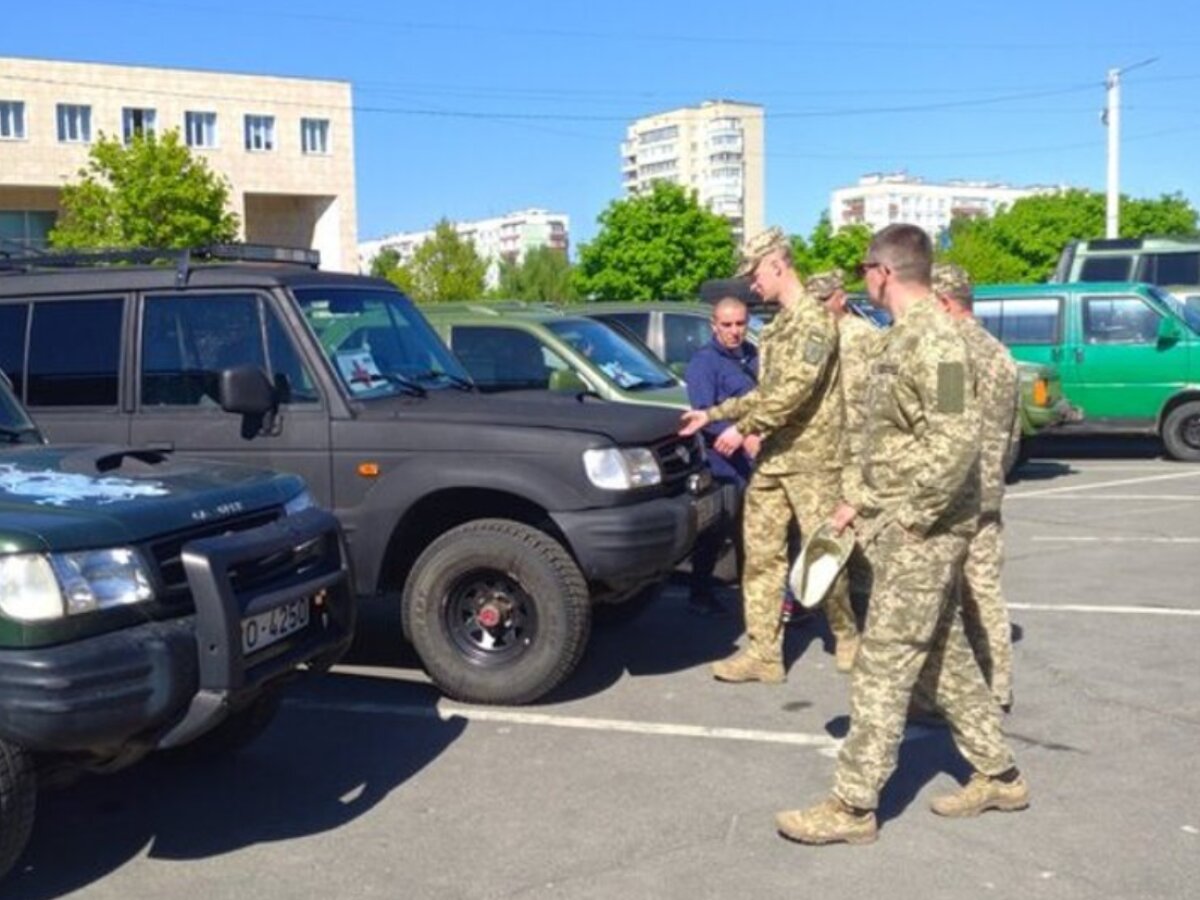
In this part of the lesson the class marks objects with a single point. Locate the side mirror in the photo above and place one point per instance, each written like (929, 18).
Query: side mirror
(1168, 331)
(567, 381)
(246, 391)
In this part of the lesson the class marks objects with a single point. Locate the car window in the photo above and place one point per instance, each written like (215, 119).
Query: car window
(12, 344)
(1119, 320)
(74, 352)
(626, 363)
(187, 341)
(638, 323)
(1106, 268)
(293, 380)
(1171, 268)
(1024, 321)
(504, 359)
(683, 336)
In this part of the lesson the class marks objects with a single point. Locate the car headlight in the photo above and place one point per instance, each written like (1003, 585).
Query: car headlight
(616, 469)
(36, 586)
(302, 501)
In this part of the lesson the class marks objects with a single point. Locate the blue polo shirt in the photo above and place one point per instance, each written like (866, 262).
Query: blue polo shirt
(715, 374)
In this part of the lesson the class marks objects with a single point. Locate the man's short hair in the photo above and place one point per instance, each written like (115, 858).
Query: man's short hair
(906, 250)
(953, 281)
(727, 301)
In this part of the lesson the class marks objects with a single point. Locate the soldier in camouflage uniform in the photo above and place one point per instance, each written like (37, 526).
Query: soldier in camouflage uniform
(796, 409)
(985, 614)
(915, 503)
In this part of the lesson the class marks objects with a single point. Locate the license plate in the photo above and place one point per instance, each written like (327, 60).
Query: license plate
(275, 624)
(707, 508)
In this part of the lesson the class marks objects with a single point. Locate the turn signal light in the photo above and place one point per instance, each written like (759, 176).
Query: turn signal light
(368, 470)
(1041, 393)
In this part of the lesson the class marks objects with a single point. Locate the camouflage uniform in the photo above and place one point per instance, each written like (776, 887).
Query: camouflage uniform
(857, 340)
(796, 410)
(918, 484)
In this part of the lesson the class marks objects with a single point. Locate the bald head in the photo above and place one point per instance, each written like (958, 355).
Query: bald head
(729, 320)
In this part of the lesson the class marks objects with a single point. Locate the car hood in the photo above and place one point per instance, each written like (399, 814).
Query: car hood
(68, 498)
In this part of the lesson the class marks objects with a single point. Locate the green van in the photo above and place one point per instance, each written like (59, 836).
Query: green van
(1127, 352)
(513, 346)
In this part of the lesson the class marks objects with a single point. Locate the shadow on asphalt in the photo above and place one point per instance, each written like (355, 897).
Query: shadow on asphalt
(315, 769)
(1096, 446)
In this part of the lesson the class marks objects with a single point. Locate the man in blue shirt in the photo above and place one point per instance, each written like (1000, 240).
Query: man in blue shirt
(727, 366)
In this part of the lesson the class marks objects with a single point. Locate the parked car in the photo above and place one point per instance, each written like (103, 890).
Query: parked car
(1169, 263)
(517, 346)
(148, 602)
(1127, 352)
(495, 522)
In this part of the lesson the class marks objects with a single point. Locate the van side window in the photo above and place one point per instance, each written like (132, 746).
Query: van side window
(1029, 320)
(1106, 268)
(1171, 268)
(75, 352)
(12, 344)
(1119, 320)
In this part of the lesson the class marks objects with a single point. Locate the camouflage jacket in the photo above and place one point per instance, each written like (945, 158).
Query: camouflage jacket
(796, 407)
(857, 341)
(999, 396)
(920, 451)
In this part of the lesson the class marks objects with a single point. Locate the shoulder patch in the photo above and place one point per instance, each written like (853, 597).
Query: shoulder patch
(815, 348)
(951, 388)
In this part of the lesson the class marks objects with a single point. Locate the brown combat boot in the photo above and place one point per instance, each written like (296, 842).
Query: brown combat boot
(829, 822)
(982, 793)
(743, 667)
(844, 653)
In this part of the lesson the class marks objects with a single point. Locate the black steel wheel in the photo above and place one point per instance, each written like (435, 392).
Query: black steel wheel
(1181, 432)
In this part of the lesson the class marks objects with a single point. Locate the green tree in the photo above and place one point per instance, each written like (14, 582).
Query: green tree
(446, 267)
(543, 275)
(655, 246)
(827, 249)
(152, 193)
(386, 264)
(1023, 242)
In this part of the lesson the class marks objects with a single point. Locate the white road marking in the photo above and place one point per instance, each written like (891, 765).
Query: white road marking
(1049, 539)
(1172, 497)
(1116, 610)
(1069, 489)
(447, 711)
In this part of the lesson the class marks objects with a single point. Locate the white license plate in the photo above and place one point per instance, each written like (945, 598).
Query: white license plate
(275, 624)
(707, 508)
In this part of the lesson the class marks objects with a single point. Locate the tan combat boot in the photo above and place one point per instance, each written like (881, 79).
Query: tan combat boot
(982, 793)
(845, 652)
(744, 667)
(829, 822)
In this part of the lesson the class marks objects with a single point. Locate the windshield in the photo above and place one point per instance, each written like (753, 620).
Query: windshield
(1186, 311)
(628, 366)
(15, 425)
(378, 343)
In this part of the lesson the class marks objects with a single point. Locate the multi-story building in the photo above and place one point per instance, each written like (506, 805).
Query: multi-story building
(878, 200)
(502, 239)
(286, 145)
(715, 148)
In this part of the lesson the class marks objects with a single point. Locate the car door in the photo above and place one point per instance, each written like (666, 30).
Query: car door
(185, 341)
(1033, 327)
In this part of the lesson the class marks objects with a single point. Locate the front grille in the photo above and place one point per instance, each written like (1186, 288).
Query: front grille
(678, 457)
(166, 553)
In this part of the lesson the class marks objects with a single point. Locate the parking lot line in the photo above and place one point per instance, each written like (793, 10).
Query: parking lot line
(1074, 488)
(1116, 610)
(1174, 497)
(1113, 539)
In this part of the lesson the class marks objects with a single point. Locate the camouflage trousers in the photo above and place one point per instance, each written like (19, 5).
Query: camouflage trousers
(914, 630)
(985, 614)
(771, 503)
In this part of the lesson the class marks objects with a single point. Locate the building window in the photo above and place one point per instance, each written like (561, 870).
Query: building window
(260, 132)
(74, 123)
(314, 136)
(136, 121)
(29, 228)
(201, 129)
(12, 120)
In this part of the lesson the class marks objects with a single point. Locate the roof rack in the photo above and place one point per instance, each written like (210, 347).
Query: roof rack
(181, 259)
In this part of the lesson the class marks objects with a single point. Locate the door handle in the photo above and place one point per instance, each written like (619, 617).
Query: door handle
(1078, 354)
(161, 446)
(1056, 354)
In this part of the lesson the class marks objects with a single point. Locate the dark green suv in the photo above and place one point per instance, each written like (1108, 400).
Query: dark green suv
(148, 603)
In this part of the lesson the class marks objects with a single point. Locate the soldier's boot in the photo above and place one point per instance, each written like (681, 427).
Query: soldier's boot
(982, 793)
(743, 667)
(829, 822)
(844, 653)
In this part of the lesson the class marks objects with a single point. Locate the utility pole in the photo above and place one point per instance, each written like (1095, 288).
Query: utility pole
(1112, 118)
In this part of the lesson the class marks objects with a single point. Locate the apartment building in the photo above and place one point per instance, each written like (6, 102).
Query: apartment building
(715, 148)
(285, 144)
(503, 238)
(881, 199)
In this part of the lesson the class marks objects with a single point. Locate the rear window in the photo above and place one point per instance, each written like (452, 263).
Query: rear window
(1106, 268)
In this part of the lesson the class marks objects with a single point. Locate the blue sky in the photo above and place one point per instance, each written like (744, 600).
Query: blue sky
(472, 109)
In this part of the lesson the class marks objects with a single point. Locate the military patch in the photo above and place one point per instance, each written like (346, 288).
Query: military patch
(814, 349)
(951, 387)
(886, 369)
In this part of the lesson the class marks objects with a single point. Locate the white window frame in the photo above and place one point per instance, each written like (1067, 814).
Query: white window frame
(259, 129)
(206, 126)
(12, 120)
(148, 126)
(73, 122)
(310, 128)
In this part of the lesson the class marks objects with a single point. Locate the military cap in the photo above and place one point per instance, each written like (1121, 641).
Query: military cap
(821, 560)
(822, 285)
(952, 281)
(761, 244)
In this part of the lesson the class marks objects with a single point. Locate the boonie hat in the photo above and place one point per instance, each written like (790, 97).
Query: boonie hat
(821, 560)
(822, 285)
(950, 280)
(758, 246)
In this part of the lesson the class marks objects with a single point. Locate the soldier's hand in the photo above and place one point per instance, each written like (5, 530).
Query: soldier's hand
(728, 441)
(842, 517)
(693, 420)
(752, 445)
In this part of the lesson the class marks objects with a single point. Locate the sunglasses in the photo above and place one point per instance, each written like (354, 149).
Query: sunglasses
(863, 268)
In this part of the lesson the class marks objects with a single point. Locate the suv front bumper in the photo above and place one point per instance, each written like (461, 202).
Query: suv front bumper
(165, 683)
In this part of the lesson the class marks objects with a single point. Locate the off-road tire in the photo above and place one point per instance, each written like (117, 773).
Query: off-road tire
(235, 733)
(527, 569)
(1181, 432)
(18, 799)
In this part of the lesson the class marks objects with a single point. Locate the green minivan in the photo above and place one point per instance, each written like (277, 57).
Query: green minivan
(1127, 352)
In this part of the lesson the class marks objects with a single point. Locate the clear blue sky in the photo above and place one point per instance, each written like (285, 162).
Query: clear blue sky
(472, 109)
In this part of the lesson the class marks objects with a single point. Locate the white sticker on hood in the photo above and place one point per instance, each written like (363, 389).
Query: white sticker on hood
(50, 488)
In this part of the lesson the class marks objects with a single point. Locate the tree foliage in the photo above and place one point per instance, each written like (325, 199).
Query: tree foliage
(827, 249)
(659, 245)
(446, 267)
(1023, 243)
(152, 193)
(544, 274)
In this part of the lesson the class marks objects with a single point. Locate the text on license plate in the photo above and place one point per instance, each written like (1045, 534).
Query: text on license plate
(707, 508)
(265, 628)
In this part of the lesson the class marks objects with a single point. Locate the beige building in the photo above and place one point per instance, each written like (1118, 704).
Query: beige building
(715, 148)
(285, 144)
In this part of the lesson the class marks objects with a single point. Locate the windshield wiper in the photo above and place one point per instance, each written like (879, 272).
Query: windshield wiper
(401, 381)
(464, 384)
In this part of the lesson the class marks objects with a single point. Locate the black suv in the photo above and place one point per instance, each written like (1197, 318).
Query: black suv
(496, 521)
